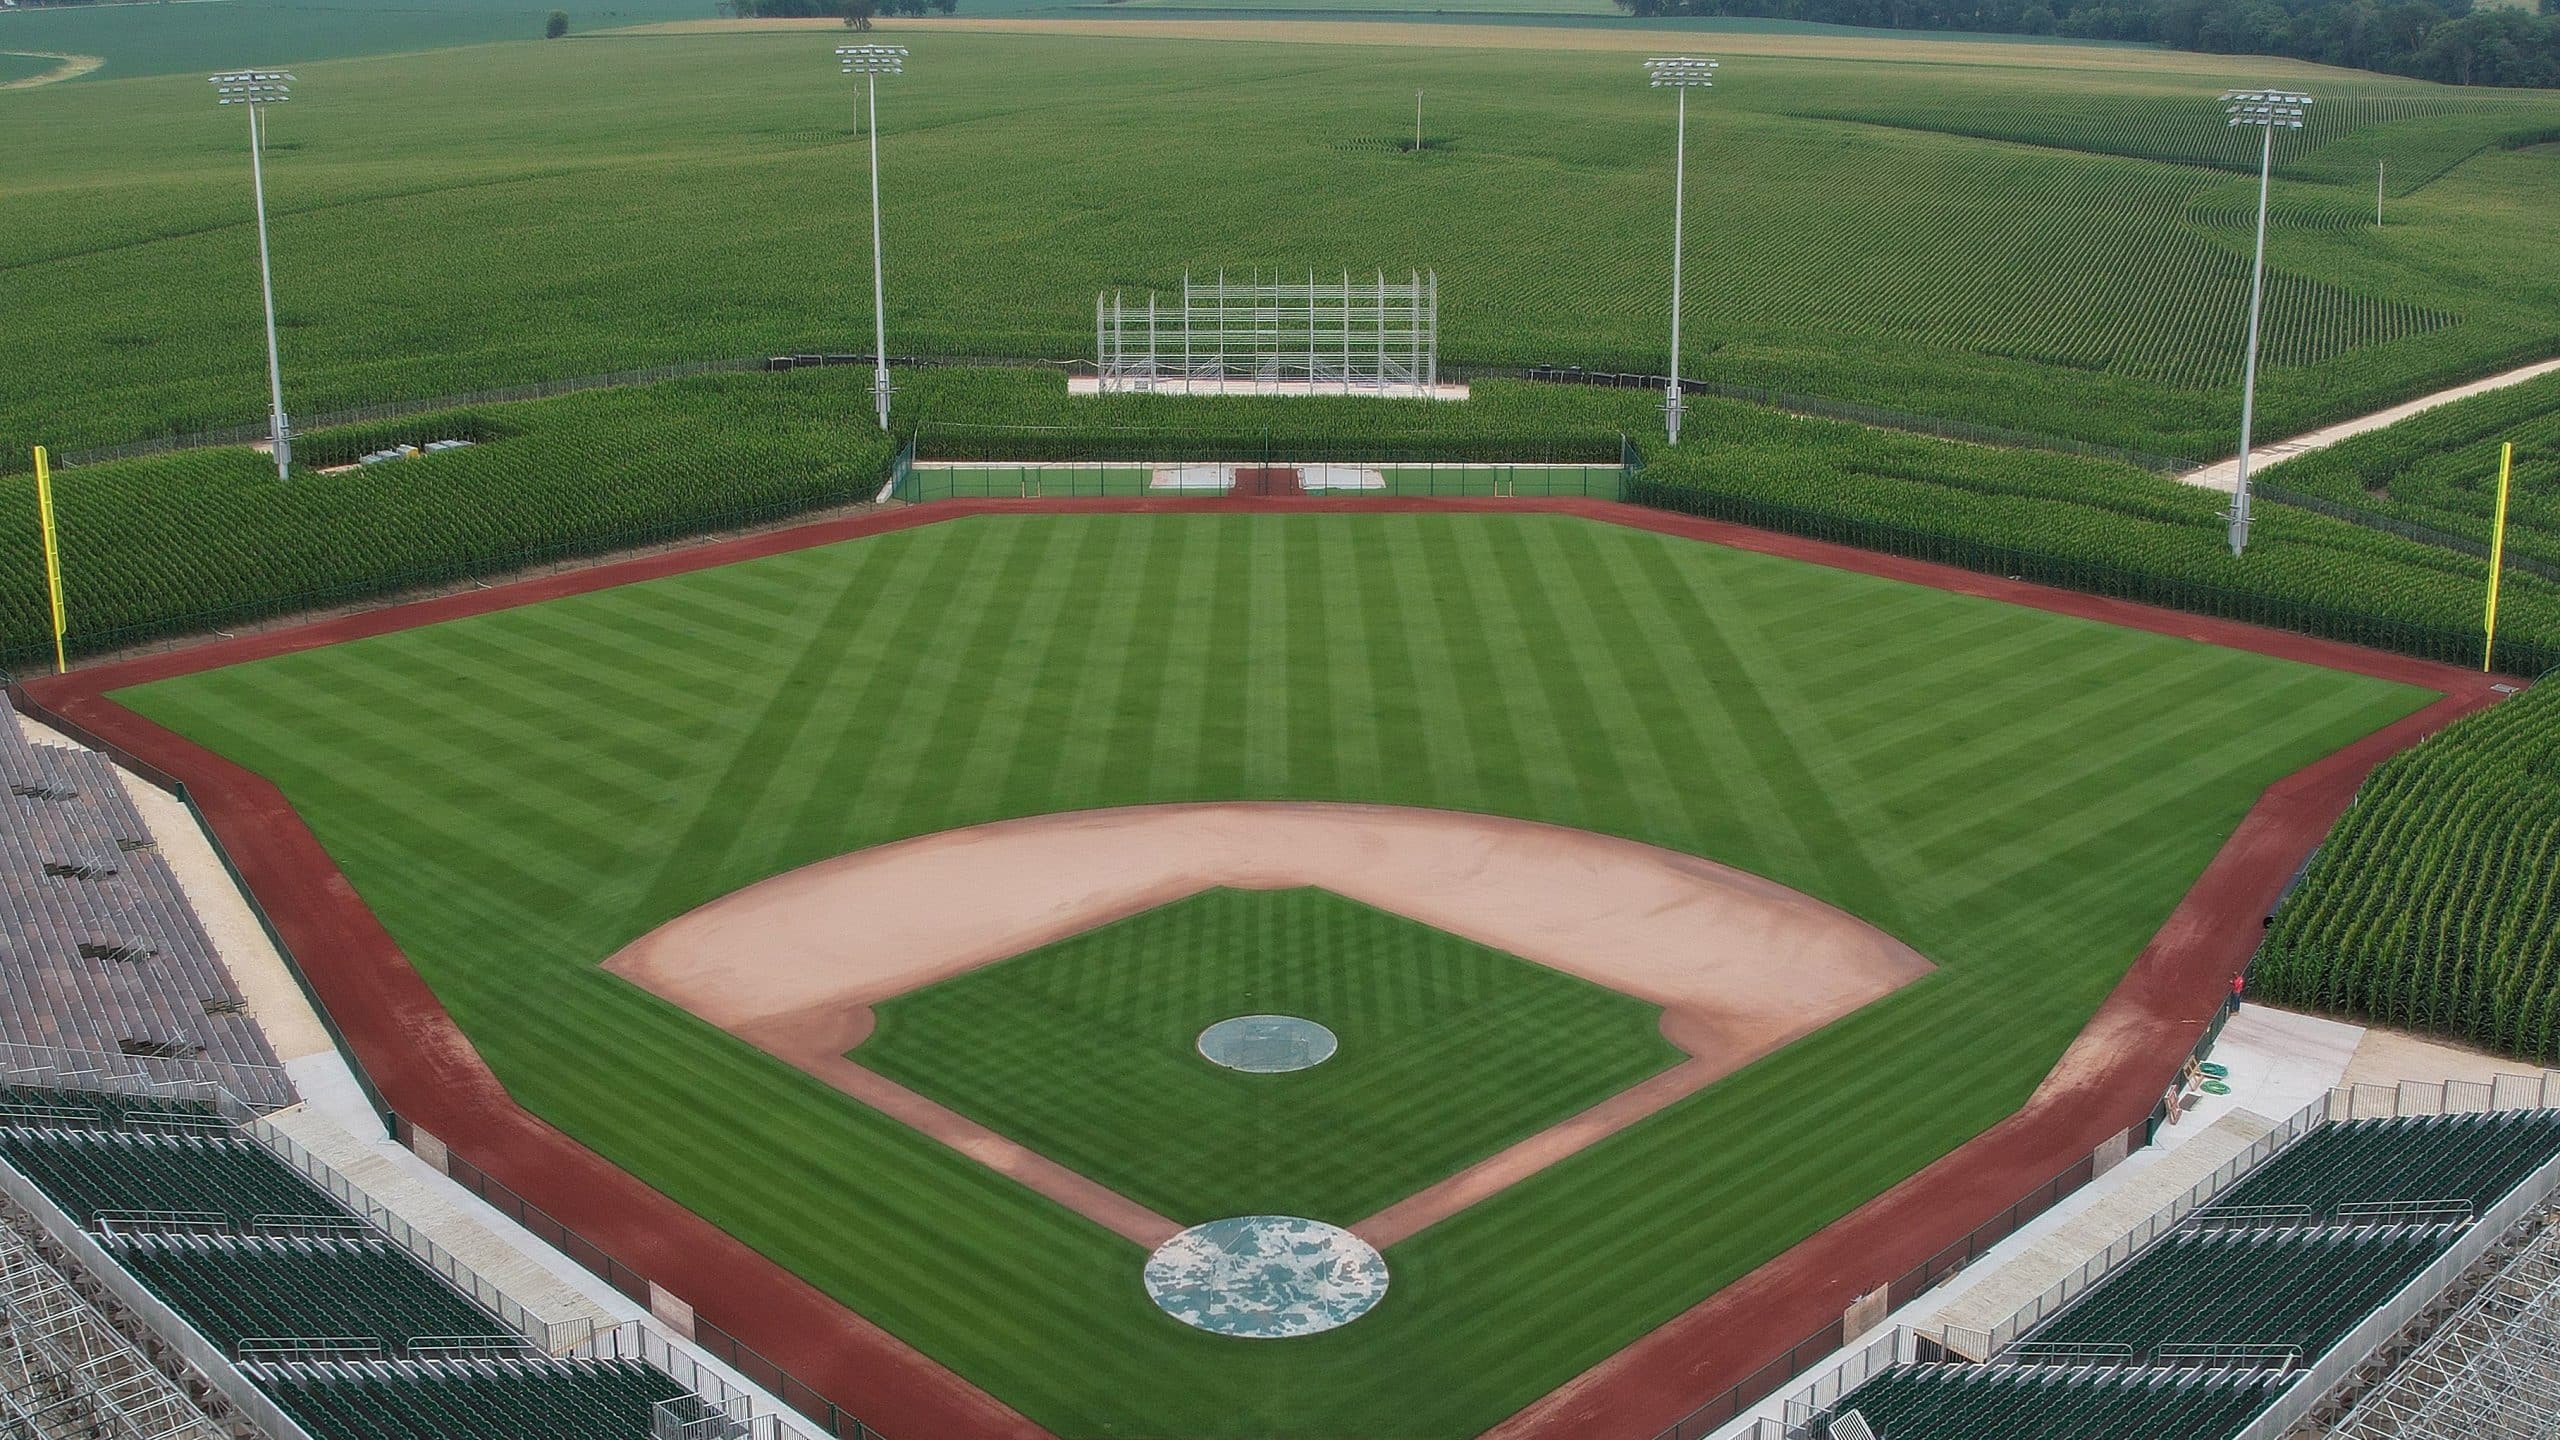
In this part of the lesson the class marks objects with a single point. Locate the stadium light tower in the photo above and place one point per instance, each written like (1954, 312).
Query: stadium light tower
(2270, 111)
(1680, 73)
(871, 62)
(254, 90)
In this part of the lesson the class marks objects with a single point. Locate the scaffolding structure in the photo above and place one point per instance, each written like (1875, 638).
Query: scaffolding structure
(1266, 336)
(66, 1372)
(2489, 1372)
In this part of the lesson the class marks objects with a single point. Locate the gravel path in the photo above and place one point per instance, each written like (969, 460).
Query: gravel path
(2223, 474)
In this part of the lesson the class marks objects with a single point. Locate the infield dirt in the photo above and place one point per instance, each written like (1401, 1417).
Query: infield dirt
(1739, 965)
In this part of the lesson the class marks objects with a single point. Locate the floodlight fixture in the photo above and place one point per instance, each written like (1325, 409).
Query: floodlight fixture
(1679, 74)
(871, 62)
(1680, 71)
(254, 90)
(872, 59)
(2269, 111)
(2275, 109)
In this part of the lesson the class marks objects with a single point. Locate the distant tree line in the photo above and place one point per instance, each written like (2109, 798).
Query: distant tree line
(855, 13)
(2453, 41)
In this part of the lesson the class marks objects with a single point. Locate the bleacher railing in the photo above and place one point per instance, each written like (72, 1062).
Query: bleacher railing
(30, 1065)
(637, 1340)
(2364, 1102)
(191, 1345)
(1989, 1345)
(2394, 1315)
(1898, 1346)
(552, 1336)
(2502, 1093)
(156, 1077)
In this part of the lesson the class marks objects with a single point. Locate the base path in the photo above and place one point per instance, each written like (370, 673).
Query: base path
(1730, 1349)
(1739, 965)
(2224, 475)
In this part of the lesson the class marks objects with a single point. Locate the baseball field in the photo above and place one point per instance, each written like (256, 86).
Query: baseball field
(2016, 797)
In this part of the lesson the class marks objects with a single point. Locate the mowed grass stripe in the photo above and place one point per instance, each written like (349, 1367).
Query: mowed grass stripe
(1729, 702)
(1086, 1049)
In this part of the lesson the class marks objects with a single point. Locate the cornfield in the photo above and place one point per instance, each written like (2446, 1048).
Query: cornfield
(2435, 905)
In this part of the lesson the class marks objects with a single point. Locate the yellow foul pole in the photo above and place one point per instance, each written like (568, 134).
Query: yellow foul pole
(2497, 552)
(52, 552)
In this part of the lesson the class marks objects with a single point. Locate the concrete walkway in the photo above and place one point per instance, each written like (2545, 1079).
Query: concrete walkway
(2222, 475)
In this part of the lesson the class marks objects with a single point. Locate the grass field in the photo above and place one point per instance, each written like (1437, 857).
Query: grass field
(25, 67)
(603, 469)
(1957, 228)
(200, 36)
(2021, 797)
(1084, 1051)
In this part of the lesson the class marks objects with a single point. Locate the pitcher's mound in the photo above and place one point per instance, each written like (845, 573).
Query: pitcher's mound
(1267, 1044)
(1266, 1277)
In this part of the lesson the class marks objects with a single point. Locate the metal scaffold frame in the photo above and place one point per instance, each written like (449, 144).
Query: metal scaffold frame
(1273, 337)
(64, 1371)
(2490, 1372)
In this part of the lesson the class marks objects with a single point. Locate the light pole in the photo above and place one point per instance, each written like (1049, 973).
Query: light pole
(255, 90)
(871, 62)
(2270, 111)
(1682, 74)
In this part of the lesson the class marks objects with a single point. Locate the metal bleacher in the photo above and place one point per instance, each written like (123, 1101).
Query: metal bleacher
(330, 1319)
(2083, 1402)
(103, 954)
(470, 1398)
(2241, 1315)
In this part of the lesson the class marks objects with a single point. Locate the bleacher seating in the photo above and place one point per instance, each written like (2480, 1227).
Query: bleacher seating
(52, 1106)
(2204, 1328)
(100, 951)
(2040, 1402)
(2413, 1158)
(470, 1399)
(219, 1173)
(352, 1335)
(353, 1286)
(2303, 1288)
(108, 978)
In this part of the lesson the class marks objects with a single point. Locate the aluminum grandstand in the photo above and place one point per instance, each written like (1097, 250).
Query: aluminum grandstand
(2265, 1294)
(106, 955)
(173, 1267)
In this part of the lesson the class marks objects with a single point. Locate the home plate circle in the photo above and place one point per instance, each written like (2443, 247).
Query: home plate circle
(1266, 1277)
(1267, 1044)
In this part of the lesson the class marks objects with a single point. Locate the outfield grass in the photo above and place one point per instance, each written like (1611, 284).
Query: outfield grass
(1972, 230)
(25, 67)
(209, 539)
(2022, 797)
(1085, 1051)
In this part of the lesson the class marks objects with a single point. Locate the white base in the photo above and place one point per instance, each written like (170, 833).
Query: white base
(1178, 385)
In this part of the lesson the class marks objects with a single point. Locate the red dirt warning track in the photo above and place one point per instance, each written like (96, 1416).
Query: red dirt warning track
(427, 1071)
